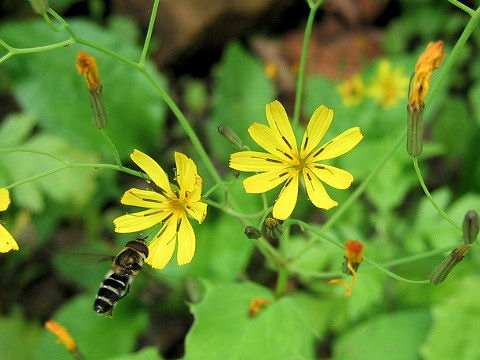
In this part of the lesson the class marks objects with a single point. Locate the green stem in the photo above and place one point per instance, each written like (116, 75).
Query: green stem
(7, 150)
(61, 21)
(17, 51)
(464, 7)
(430, 197)
(108, 52)
(148, 37)
(282, 280)
(232, 212)
(215, 187)
(363, 186)
(116, 155)
(78, 165)
(303, 61)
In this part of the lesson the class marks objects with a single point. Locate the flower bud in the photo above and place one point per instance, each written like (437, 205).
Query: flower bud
(39, 6)
(353, 255)
(231, 136)
(252, 232)
(441, 272)
(272, 228)
(470, 227)
(415, 130)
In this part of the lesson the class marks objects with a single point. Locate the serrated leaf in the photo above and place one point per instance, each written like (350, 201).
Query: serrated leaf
(397, 336)
(97, 337)
(456, 319)
(48, 85)
(241, 92)
(285, 329)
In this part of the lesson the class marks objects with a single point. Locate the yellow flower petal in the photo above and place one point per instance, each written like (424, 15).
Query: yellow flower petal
(151, 167)
(255, 161)
(140, 220)
(4, 199)
(339, 145)
(7, 242)
(186, 241)
(162, 246)
(287, 199)
(186, 171)
(316, 129)
(269, 140)
(316, 191)
(143, 198)
(197, 210)
(263, 182)
(278, 120)
(333, 176)
(196, 194)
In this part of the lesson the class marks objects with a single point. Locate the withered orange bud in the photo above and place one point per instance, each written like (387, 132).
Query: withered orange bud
(354, 251)
(430, 60)
(87, 66)
(255, 306)
(62, 334)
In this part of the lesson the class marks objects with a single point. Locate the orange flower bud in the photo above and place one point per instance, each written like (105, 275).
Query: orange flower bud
(87, 66)
(430, 60)
(354, 251)
(62, 334)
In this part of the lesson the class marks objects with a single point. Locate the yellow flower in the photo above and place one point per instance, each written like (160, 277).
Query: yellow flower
(7, 242)
(284, 163)
(63, 335)
(389, 85)
(166, 205)
(352, 91)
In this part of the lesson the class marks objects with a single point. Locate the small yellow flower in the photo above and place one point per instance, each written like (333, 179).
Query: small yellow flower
(389, 85)
(7, 242)
(430, 60)
(284, 163)
(168, 206)
(63, 335)
(352, 91)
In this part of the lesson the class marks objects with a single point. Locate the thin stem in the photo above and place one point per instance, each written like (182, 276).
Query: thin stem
(303, 61)
(50, 23)
(18, 51)
(464, 7)
(393, 275)
(215, 187)
(7, 150)
(77, 165)
(116, 155)
(445, 69)
(148, 37)
(232, 212)
(5, 45)
(61, 21)
(363, 186)
(107, 51)
(282, 280)
(430, 197)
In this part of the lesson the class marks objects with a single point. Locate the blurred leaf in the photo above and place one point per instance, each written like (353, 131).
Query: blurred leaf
(196, 95)
(48, 85)
(97, 337)
(149, 353)
(285, 329)
(19, 338)
(399, 335)
(456, 325)
(241, 92)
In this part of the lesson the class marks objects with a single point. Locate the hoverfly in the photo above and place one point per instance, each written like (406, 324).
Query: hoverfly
(125, 267)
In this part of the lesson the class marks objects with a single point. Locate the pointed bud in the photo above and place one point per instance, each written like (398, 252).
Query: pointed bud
(231, 136)
(272, 229)
(415, 130)
(39, 6)
(441, 272)
(470, 227)
(252, 232)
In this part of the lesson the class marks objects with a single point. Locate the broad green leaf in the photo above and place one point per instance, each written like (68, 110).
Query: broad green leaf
(15, 129)
(144, 354)
(97, 337)
(19, 338)
(397, 336)
(285, 329)
(48, 85)
(241, 92)
(456, 325)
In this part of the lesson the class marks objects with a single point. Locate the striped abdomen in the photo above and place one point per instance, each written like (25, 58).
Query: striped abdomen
(112, 288)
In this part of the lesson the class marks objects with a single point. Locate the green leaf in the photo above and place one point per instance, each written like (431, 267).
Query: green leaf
(241, 92)
(98, 337)
(19, 338)
(285, 329)
(149, 353)
(48, 85)
(456, 325)
(397, 336)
